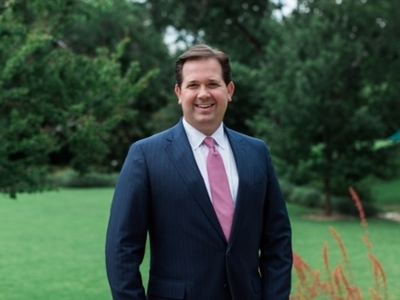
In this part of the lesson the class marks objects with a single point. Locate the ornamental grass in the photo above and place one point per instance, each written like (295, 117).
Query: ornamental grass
(337, 282)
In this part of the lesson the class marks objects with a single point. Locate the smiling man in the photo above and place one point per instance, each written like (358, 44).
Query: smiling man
(203, 93)
(208, 199)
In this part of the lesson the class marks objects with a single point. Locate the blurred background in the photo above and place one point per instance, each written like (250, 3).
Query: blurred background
(317, 80)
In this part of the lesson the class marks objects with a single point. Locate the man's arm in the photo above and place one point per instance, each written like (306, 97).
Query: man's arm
(127, 228)
(276, 249)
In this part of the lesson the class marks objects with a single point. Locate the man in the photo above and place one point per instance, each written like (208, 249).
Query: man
(208, 199)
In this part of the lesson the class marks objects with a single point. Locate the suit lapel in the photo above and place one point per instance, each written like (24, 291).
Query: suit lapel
(180, 153)
(244, 174)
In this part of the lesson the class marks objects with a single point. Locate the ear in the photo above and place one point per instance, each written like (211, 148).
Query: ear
(231, 90)
(178, 93)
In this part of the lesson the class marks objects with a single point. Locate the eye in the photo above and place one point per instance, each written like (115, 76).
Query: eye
(192, 86)
(213, 85)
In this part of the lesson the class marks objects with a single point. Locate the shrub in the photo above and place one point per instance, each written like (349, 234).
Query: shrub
(287, 189)
(73, 179)
(306, 196)
(345, 206)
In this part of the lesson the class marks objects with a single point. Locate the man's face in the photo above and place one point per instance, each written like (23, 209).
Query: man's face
(203, 95)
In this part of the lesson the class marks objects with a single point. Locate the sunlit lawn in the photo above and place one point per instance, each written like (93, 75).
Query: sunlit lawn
(52, 245)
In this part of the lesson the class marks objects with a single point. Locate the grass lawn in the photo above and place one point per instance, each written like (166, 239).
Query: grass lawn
(52, 245)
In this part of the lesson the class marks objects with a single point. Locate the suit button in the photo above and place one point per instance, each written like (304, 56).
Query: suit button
(229, 253)
(225, 286)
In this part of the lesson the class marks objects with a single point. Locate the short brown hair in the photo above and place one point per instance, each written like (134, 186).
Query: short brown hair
(203, 52)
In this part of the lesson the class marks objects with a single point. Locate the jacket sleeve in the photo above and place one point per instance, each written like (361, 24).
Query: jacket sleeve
(127, 228)
(276, 250)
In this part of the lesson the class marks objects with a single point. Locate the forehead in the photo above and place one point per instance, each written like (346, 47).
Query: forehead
(204, 68)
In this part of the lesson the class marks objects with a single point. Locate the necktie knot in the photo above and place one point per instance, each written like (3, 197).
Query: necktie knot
(209, 142)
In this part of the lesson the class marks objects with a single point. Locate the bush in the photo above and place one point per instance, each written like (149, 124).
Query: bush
(73, 179)
(345, 205)
(287, 189)
(306, 196)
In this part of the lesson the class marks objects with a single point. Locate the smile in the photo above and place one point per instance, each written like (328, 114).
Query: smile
(204, 105)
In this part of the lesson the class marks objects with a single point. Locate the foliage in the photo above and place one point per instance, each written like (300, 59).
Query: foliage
(73, 179)
(287, 189)
(104, 24)
(81, 80)
(241, 29)
(54, 102)
(306, 196)
(387, 192)
(323, 102)
(339, 283)
(344, 206)
(311, 197)
(216, 22)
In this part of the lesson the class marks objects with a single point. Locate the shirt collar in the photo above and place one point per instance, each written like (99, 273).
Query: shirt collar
(196, 137)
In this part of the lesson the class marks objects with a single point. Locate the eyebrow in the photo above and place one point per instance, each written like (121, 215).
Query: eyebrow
(192, 81)
(208, 81)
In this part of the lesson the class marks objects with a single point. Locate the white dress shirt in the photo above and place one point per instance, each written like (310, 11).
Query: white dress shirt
(200, 152)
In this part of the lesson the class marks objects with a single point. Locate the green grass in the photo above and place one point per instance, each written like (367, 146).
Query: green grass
(52, 245)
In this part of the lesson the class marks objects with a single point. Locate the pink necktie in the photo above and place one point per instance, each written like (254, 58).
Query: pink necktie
(219, 186)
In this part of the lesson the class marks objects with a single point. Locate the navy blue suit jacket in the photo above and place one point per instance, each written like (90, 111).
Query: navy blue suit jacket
(161, 194)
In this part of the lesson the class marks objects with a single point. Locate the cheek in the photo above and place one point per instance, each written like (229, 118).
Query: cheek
(187, 98)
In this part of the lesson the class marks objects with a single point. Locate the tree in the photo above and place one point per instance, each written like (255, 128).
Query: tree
(240, 28)
(52, 98)
(94, 24)
(322, 113)
(234, 25)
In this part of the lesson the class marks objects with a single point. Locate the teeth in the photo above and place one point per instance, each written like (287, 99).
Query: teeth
(203, 106)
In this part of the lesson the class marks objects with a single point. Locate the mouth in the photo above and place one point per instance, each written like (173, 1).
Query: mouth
(204, 106)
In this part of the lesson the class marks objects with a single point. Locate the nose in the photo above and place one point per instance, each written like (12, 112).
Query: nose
(203, 92)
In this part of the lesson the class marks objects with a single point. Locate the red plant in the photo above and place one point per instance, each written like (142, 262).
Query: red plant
(339, 284)
(379, 275)
(359, 206)
(342, 250)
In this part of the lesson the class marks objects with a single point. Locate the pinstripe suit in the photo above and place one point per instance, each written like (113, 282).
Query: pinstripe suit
(160, 191)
